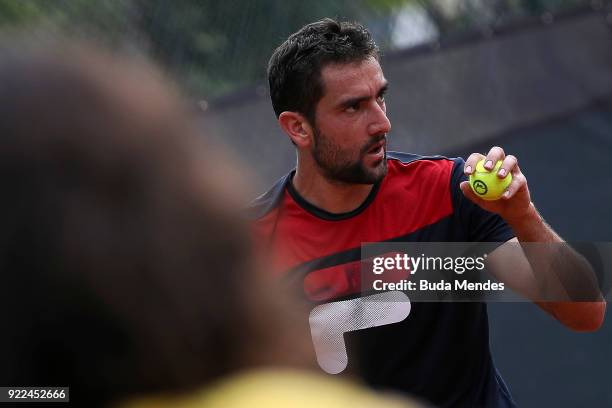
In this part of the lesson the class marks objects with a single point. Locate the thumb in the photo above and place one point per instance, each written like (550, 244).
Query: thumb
(467, 191)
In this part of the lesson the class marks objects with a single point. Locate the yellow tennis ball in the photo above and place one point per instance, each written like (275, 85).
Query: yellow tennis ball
(486, 184)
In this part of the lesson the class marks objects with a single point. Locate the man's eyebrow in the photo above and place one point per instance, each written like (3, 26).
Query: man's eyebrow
(347, 103)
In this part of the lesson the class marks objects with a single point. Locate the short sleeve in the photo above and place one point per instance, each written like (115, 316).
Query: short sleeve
(479, 225)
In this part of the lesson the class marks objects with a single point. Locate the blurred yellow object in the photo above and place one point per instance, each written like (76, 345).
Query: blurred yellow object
(280, 388)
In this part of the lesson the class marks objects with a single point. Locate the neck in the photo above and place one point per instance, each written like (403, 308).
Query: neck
(329, 195)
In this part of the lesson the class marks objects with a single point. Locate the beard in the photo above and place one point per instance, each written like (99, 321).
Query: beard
(338, 164)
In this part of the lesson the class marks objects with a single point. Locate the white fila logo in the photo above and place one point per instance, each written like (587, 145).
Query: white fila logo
(329, 322)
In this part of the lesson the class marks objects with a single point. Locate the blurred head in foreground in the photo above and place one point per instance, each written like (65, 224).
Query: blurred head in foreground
(125, 268)
(127, 274)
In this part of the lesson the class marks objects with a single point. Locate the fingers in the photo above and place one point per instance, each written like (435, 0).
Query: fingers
(509, 165)
(470, 163)
(495, 154)
(519, 181)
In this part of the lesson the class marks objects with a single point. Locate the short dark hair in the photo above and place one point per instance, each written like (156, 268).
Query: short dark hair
(294, 70)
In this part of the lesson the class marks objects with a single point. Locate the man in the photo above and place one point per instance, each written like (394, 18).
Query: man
(328, 93)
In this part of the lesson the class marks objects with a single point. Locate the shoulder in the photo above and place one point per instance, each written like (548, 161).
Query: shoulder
(433, 180)
(423, 167)
(268, 201)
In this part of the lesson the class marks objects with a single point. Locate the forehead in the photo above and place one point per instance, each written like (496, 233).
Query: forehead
(356, 78)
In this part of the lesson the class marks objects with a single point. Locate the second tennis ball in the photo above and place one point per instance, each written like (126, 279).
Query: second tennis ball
(486, 184)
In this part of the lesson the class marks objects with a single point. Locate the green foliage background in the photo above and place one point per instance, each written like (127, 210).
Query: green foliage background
(216, 46)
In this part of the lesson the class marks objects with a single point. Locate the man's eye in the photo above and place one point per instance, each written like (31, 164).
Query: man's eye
(353, 108)
(381, 98)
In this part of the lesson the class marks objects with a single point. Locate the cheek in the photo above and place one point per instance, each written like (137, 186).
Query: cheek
(349, 132)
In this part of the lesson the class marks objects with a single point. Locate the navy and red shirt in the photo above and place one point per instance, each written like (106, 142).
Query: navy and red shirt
(440, 352)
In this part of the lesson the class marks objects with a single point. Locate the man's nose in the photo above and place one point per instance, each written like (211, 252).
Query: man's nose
(380, 123)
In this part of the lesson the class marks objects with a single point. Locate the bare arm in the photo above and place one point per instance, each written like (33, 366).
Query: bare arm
(539, 271)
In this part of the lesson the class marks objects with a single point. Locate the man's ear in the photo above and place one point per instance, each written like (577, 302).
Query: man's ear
(297, 128)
